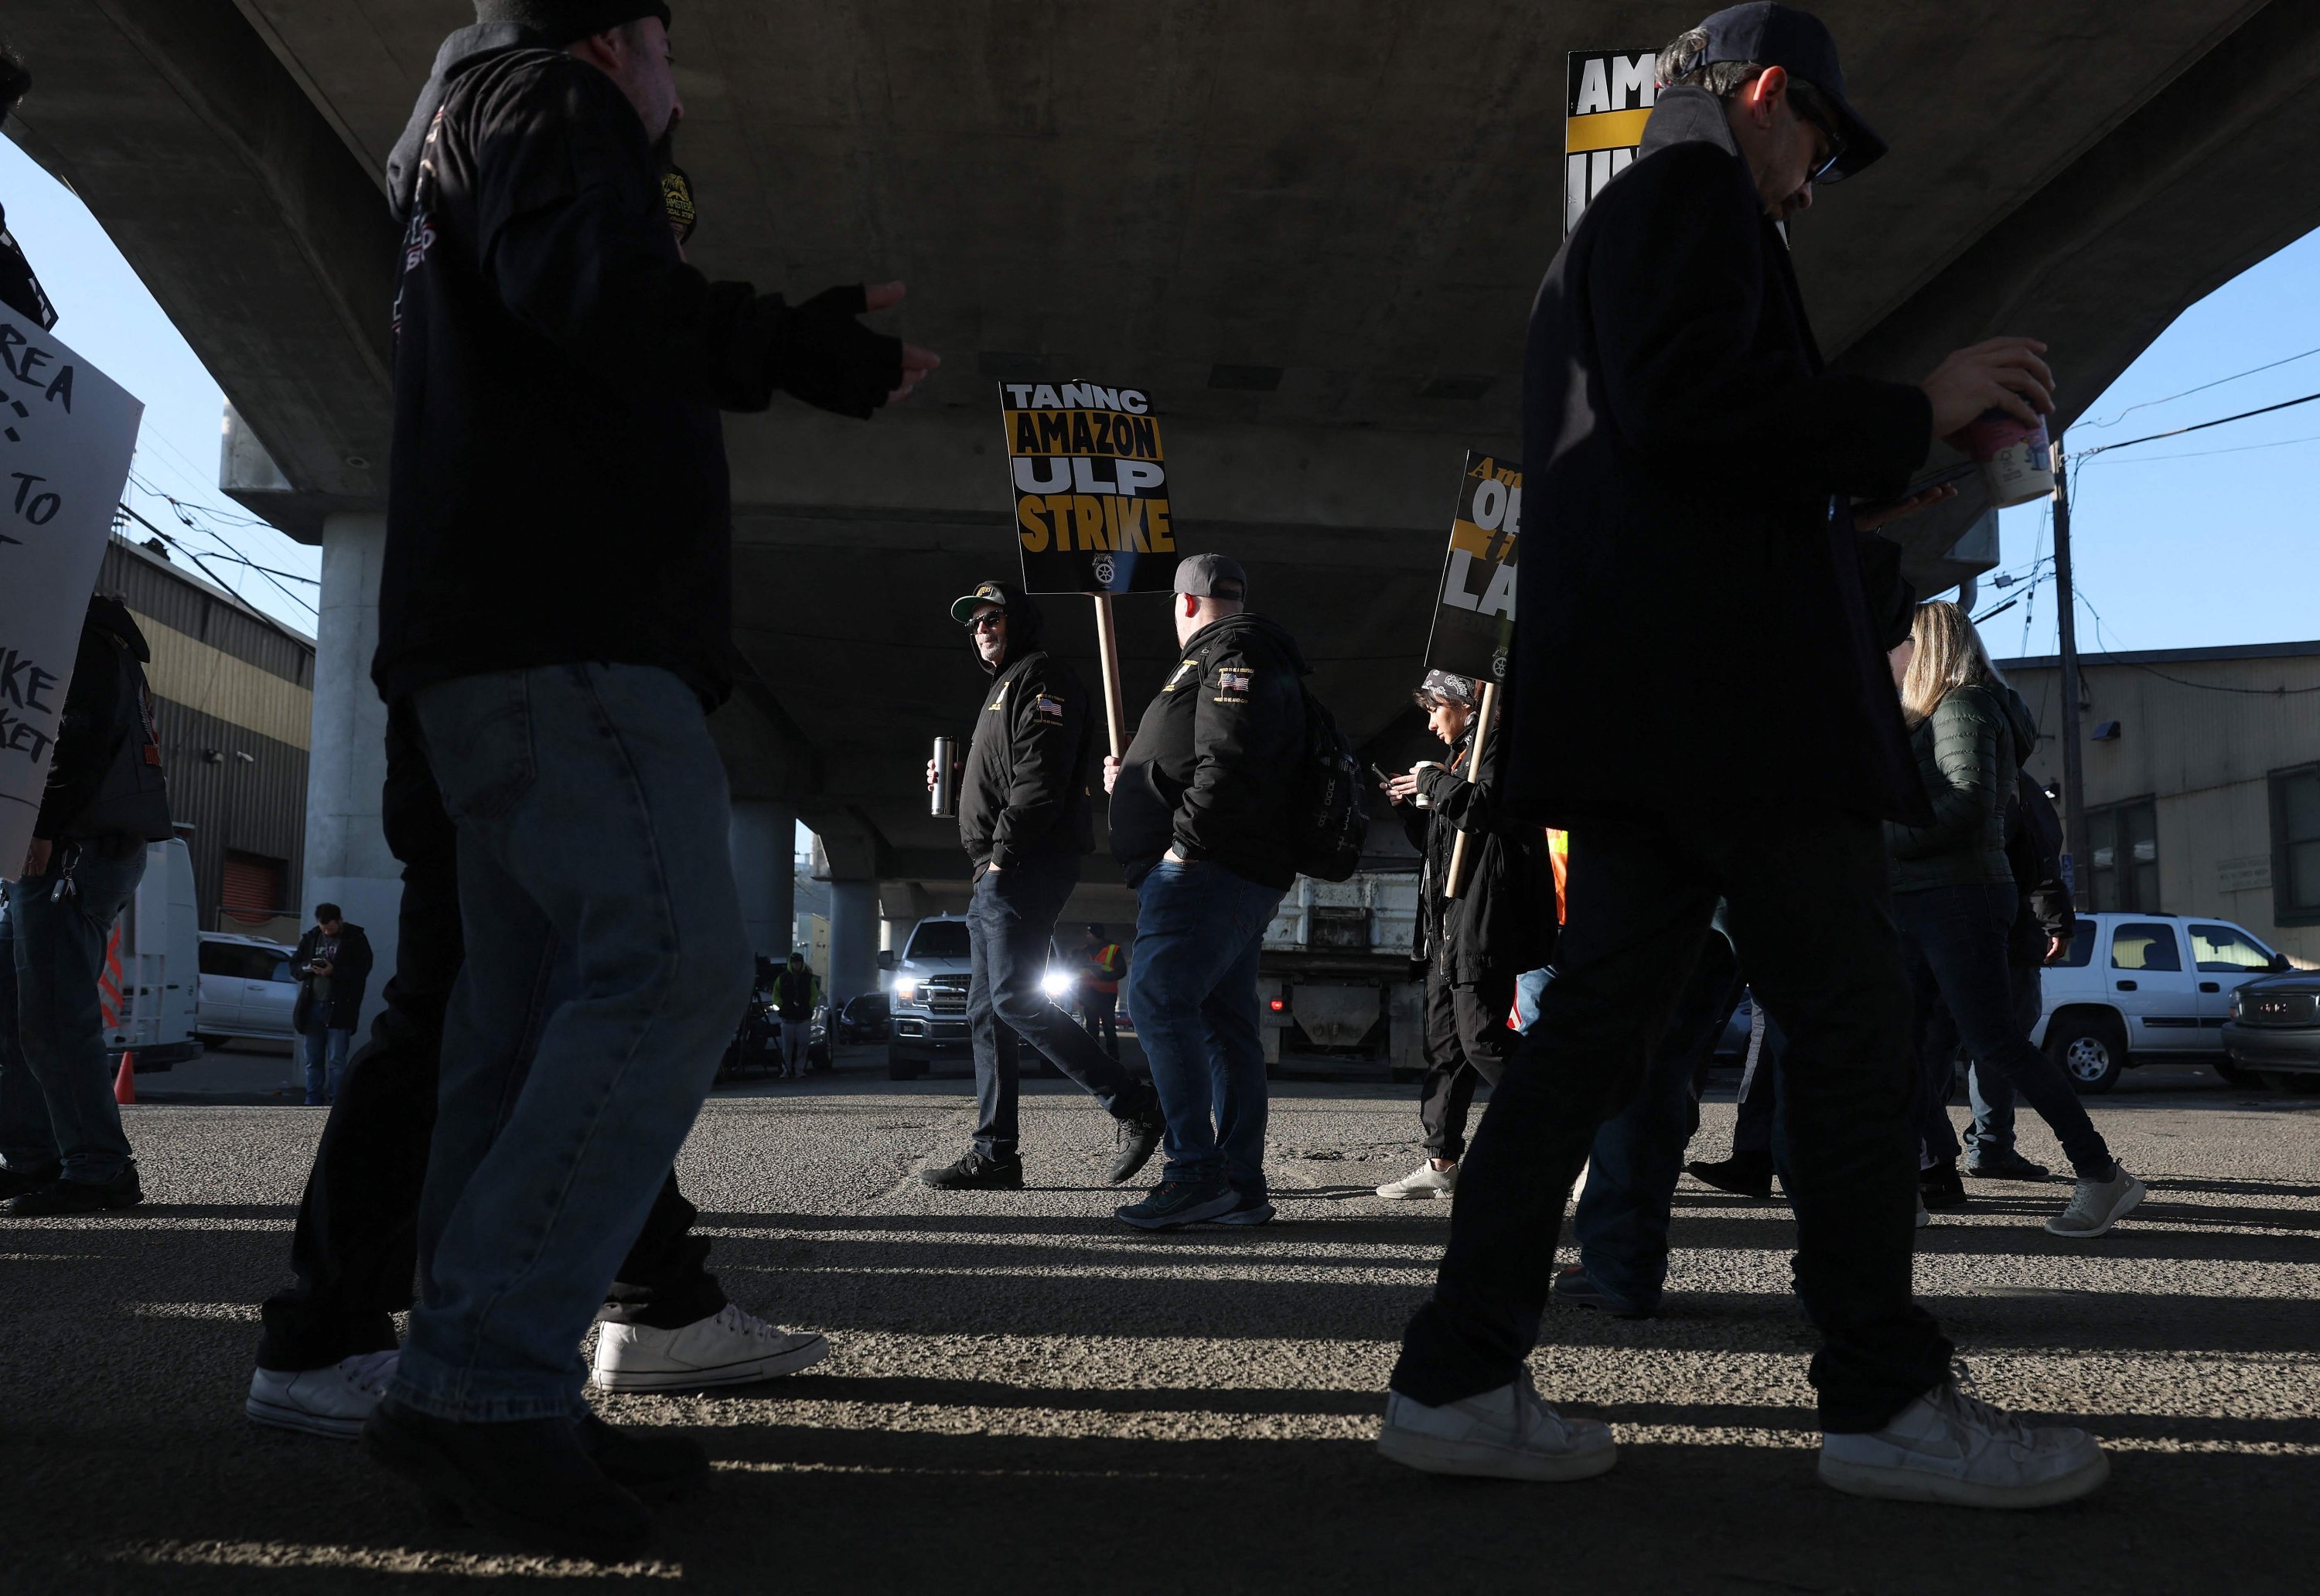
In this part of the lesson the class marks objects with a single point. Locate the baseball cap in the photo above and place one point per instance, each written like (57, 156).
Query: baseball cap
(1800, 43)
(1210, 576)
(985, 593)
(1443, 683)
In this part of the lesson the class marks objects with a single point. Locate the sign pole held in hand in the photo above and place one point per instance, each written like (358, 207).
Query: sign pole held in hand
(1474, 609)
(65, 432)
(1092, 511)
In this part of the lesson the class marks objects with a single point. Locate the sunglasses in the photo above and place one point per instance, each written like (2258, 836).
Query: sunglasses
(1817, 113)
(989, 620)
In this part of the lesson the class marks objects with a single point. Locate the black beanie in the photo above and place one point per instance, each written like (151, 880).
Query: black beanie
(556, 22)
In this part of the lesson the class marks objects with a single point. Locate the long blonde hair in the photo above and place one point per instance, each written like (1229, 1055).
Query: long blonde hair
(1949, 655)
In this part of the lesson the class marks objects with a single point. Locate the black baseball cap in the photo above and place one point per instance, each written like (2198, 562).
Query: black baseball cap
(1800, 44)
(1210, 576)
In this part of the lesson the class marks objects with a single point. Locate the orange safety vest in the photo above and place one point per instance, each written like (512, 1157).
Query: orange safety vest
(1558, 854)
(1104, 965)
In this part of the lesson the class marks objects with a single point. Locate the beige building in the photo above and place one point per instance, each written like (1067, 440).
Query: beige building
(2202, 782)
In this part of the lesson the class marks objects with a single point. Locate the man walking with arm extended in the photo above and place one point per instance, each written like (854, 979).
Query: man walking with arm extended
(1024, 817)
(555, 608)
(1694, 574)
(1201, 824)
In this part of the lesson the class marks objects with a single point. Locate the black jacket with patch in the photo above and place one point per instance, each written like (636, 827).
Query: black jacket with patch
(1210, 770)
(1024, 795)
(1503, 922)
(106, 781)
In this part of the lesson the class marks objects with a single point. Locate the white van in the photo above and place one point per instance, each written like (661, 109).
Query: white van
(148, 990)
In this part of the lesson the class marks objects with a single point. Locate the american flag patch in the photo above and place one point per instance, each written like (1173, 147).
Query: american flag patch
(1234, 680)
(1050, 706)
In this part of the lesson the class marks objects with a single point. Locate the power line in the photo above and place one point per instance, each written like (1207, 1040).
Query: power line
(2237, 449)
(199, 559)
(2104, 449)
(2148, 404)
(186, 518)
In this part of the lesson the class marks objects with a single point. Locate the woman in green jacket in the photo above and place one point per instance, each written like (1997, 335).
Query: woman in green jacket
(1953, 898)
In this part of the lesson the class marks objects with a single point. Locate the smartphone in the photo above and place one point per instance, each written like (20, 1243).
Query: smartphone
(1947, 474)
(1383, 777)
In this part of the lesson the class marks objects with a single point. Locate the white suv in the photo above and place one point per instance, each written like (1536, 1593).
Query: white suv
(2146, 989)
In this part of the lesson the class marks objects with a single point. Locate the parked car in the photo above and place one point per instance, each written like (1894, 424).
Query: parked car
(2146, 989)
(865, 1017)
(2272, 1029)
(248, 989)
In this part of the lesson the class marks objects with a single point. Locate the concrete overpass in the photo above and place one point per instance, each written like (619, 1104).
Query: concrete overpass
(1311, 230)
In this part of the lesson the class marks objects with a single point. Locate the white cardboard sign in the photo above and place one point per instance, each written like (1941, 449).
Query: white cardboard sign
(66, 433)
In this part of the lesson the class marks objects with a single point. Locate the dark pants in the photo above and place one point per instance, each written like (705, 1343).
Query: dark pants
(1011, 925)
(1811, 921)
(1956, 937)
(1103, 1009)
(1466, 1040)
(357, 1245)
(1621, 1222)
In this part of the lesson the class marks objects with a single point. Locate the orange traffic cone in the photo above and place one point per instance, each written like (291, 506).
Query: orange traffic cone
(124, 1085)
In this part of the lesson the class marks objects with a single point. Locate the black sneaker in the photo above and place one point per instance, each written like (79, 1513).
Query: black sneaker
(2007, 1166)
(977, 1172)
(1249, 1208)
(1181, 1203)
(1573, 1285)
(15, 1183)
(1939, 1187)
(533, 1481)
(1140, 1136)
(655, 1464)
(63, 1196)
(1741, 1174)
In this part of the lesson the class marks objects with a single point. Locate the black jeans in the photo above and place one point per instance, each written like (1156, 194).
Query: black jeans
(1011, 925)
(1466, 1040)
(1956, 938)
(1103, 1009)
(1810, 919)
(357, 1246)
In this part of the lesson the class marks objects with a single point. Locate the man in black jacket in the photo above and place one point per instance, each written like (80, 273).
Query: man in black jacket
(1200, 825)
(62, 1149)
(1023, 817)
(20, 290)
(1701, 703)
(1501, 923)
(555, 608)
(333, 964)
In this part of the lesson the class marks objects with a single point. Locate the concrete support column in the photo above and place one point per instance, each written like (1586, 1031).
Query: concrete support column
(765, 842)
(346, 861)
(853, 940)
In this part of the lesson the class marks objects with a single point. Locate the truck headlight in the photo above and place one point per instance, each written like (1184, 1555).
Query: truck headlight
(1056, 983)
(906, 987)
(2233, 1008)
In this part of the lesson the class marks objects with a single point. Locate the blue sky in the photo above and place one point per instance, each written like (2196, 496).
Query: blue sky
(2178, 545)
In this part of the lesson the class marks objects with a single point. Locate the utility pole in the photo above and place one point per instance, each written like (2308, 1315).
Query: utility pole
(2074, 786)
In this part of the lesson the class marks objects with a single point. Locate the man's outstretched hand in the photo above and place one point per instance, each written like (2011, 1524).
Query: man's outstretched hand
(2000, 373)
(916, 362)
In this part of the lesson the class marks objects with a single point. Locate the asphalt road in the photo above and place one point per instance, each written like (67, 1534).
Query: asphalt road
(1025, 1396)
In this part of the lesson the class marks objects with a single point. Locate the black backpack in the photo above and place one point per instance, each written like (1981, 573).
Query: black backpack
(1328, 813)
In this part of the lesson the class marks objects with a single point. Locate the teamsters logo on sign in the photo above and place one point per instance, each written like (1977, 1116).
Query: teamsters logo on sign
(1090, 493)
(1610, 99)
(1474, 617)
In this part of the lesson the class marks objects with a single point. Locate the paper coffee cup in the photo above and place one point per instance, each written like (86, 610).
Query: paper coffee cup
(2015, 459)
(1418, 798)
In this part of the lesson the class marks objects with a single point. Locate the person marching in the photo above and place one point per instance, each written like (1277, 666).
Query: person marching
(796, 994)
(1475, 944)
(1101, 964)
(1025, 818)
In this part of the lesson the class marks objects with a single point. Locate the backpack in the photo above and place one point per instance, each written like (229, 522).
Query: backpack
(1328, 813)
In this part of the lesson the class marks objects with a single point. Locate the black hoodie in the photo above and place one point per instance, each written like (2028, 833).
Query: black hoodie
(557, 490)
(105, 783)
(1024, 794)
(1209, 771)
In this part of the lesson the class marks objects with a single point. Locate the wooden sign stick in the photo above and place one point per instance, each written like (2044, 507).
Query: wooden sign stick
(1107, 643)
(1483, 716)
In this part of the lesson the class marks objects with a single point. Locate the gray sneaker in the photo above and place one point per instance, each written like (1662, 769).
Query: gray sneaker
(2096, 1205)
(1950, 1447)
(1507, 1434)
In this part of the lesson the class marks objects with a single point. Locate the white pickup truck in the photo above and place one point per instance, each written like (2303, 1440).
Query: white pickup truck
(2146, 989)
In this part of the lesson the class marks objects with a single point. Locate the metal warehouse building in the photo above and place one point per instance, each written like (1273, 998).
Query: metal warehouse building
(2202, 782)
(236, 691)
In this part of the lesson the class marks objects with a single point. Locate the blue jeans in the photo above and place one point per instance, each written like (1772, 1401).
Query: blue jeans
(56, 1089)
(1530, 987)
(323, 1052)
(592, 814)
(1953, 942)
(1193, 990)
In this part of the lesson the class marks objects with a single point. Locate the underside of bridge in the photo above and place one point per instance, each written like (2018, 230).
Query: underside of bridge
(1310, 229)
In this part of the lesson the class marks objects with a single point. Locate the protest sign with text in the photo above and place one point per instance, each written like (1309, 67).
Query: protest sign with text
(66, 433)
(1475, 611)
(1609, 99)
(1090, 492)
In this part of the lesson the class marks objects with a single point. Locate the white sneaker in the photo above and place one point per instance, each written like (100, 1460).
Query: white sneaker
(731, 1348)
(2096, 1205)
(332, 1401)
(1507, 1434)
(1924, 1217)
(1423, 1182)
(1949, 1446)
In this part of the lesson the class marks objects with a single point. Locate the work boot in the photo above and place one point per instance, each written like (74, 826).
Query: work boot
(1950, 1447)
(977, 1172)
(732, 1347)
(64, 1196)
(1939, 1188)
(655, 1465)
(1744, 1174)
(15, 1181)
(1139, 1137)
(2005, 1165)
(1507, 1434)
(532, 1481)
